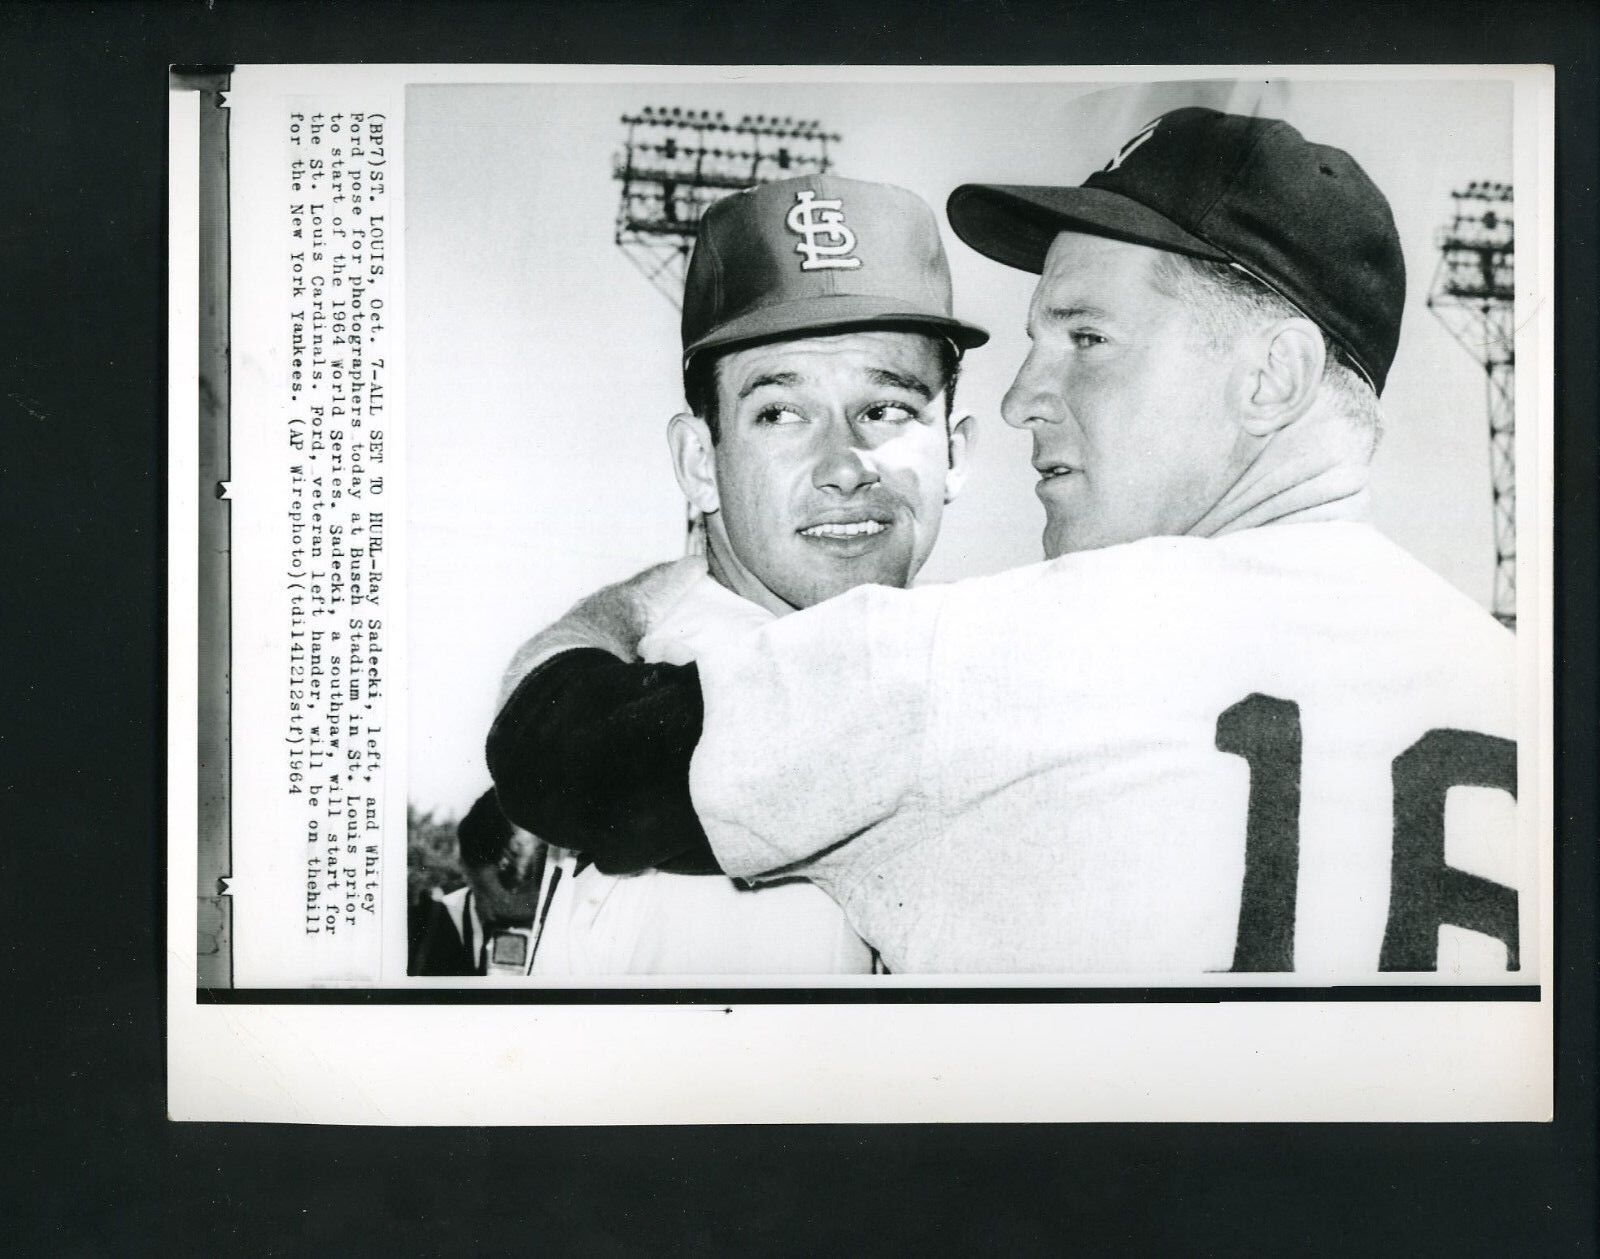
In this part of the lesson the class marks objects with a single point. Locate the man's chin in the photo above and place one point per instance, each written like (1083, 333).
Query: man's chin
(820, 587)
(1069, 538)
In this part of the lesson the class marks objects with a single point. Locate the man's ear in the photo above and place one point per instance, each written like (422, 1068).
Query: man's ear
(963, 437)
(1282, 376)
(694, 461)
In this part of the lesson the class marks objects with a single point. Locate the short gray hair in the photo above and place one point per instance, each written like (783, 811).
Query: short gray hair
(1225, 301)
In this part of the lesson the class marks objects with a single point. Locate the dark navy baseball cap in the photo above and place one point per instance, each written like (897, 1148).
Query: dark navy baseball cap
(1303, 219)
(816, 254)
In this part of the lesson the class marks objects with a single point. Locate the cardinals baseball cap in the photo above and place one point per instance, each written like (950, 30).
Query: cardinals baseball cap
(814, 254)
(1301, 218)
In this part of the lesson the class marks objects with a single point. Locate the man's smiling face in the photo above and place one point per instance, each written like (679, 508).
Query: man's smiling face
(833, 465)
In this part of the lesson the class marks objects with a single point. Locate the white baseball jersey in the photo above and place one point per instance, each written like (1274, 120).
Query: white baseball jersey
(659, 923)
(1177, 756)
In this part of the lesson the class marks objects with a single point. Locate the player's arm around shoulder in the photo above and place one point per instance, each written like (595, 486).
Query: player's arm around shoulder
(590, 749)
(814, 726)
(613, 619)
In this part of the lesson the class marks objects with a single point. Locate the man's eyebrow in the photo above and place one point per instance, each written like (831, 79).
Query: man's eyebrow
(784, 380)
(899, 380)
(1080, 310)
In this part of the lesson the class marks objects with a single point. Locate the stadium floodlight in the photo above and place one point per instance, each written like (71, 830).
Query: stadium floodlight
(669, 180)
(1473, 295)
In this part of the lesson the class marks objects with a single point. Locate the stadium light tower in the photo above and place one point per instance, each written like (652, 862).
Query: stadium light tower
(1472, 295)
(676, 162)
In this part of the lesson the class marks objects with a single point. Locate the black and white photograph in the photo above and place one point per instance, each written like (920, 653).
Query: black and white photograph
(1075, 780)
(707, 629)
(914, 550)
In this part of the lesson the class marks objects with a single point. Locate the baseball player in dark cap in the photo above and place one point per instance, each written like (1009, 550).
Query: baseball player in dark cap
(1215, 730)
(820, 357)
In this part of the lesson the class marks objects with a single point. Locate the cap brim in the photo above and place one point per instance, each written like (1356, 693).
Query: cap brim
(820, 315)
(1015, 224)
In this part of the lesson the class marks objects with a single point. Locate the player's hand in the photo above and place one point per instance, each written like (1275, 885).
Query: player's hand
(617, 617)
(613, 619)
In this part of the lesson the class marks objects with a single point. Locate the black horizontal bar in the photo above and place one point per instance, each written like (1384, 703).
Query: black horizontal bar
(867, 995)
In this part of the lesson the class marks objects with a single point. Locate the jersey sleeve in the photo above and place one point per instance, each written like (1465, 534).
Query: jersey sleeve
(612, 619)
(592, 753)
(814, 729)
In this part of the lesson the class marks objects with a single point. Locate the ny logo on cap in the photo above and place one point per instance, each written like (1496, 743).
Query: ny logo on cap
(1127, 149)
(825, 241)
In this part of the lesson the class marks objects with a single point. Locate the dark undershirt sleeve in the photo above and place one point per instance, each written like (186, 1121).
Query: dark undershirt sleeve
(592, 753)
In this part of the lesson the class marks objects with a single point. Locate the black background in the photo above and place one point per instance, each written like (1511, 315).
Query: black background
(93, 1166)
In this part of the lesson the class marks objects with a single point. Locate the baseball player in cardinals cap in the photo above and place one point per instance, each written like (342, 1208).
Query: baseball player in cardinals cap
(820, 359)
(1216, 729)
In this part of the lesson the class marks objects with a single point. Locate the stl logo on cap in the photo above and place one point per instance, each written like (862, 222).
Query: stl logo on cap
(1127, 149)
(825, 241)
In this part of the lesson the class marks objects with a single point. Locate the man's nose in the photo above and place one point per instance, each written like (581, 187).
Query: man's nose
(1034, 396)
(843, 465)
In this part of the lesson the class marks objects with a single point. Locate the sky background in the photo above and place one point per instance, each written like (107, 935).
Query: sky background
(542, 367)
